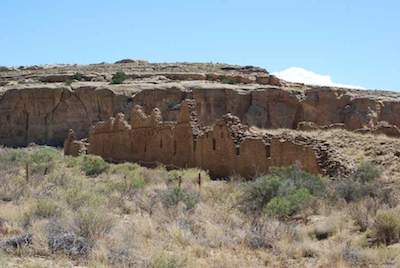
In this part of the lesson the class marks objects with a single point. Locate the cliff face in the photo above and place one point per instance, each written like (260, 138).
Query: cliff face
(43, 114)
(40, 104)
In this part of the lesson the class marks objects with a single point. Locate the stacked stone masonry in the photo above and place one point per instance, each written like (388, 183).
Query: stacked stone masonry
(226, 148)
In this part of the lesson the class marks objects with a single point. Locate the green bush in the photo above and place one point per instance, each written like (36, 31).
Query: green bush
(12, 156)
(281, 207)
(40, 159)
(386, 228)
(352, 191)
(118, 78)
(128, 178)
(257, 194)
(367, 172)
(172, 196)
(282, 193)
(79, 195)
(77, 76)
(293, 178)
(93, 165)
(123, 185)
(229, 80)
(362, 183)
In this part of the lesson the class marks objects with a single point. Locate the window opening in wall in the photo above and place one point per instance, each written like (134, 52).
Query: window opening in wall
(237, 150)
(174, 147)
(161, 145)
(194, 145)
(214, 142)
(268, 151)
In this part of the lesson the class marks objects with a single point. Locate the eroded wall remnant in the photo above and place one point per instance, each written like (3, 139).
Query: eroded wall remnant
(226, 148)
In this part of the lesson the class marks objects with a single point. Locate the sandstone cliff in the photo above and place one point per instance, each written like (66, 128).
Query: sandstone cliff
(40, 104)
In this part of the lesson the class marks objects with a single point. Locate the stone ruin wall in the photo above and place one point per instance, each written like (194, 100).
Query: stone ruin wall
(44, 113)
(225, 149)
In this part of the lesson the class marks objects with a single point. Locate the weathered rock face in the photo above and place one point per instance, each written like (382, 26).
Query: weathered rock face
(43, 114)
(225, 149)
(37, 106)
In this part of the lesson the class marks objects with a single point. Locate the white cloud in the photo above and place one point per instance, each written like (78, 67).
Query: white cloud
(300, 75)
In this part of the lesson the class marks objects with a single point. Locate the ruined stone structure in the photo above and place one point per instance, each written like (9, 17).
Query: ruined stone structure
(226, 148)
(39, 105)
(72, 146)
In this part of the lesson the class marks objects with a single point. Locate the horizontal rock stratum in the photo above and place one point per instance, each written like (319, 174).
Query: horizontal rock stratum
(40, 104)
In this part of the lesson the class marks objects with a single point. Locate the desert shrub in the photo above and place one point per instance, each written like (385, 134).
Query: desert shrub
(12, 187)
(43, 159)
(77, 76)
(60, 178)
(39, 159)
(360, 216)
(282, 193)
(128, 178)
(257, 194)
(285, 206)
(293, 178)
(92, 222)
(367, 172)
(362, 183)
(125, 185)
(125, 168)
(93, 165)
(46, 208)
(118, 78)
(356, 257)
(12, 156)
(265, 233)
(172, 196)
(18, 166)
(352, 191)
(167, 261)
(78, 195)
(229, 80)
(386, 228)
(279, 206)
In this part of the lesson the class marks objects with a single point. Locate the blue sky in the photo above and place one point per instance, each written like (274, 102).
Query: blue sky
(355, 42)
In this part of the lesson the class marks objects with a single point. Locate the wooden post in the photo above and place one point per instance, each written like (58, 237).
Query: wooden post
(27, 172)
(179, 182)
(199, 180)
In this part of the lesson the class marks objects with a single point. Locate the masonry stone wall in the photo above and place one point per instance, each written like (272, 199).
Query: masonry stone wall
(227, 148)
